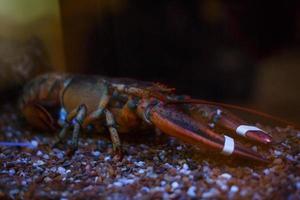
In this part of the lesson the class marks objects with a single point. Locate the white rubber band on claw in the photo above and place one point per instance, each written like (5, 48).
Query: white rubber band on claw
(243, 129)
(228, 146)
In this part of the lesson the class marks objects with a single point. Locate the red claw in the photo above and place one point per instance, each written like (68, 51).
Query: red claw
(259, 136)
(254, 133)
(177, 124)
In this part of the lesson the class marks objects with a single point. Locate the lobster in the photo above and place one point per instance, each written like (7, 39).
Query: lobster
(67, 101)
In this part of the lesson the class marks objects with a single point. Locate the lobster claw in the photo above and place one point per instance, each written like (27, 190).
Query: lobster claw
(176, 123)
(39, 117)
(226, 120)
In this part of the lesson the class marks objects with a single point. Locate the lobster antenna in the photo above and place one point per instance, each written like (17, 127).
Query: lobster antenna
(231, 106)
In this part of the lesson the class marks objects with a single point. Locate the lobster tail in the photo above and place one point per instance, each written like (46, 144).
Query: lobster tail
(180, 125)
(39, 117)
(41, 99)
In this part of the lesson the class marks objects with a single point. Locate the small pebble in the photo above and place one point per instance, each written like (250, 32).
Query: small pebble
(163, 183)
(256, 175)
(139, 163)
(267, 171)
(53, 169)
(24, 183)
(179, 148)
(12, 172)
(225, 176)
(123, 181)
(256, 196)
(162, 155)
(211, 193)
(107, 158)
(222, 184)
(47, 179)
(46, 156)
(96, 153)
(185, 169)
(145, 189)
(277, 153)
(34, 144)
(39, 153)
(174, 185)
(185, 166)
(234, 189)
(59, 155)
(61, 170)
(290, 157)
(64, 194)
(13, 192)
(211, 125)
(192, 191)
(244, 192)
(298, 185)
(38, 163)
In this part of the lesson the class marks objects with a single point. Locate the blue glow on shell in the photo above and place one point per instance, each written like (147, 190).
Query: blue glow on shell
(62, 116)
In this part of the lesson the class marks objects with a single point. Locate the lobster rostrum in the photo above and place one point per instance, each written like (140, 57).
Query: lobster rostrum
(78, 102)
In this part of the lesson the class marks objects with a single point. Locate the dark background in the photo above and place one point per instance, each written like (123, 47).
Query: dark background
(244, 52)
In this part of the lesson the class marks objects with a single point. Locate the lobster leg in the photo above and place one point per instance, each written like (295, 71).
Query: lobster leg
(74, 119)
(110, 123)
(77, 125)
(104, 100)
(62, 134)
(65, 127)
(229, 121)
(182, 126)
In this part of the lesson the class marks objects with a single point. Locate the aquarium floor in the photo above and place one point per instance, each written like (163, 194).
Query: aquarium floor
(153, 167)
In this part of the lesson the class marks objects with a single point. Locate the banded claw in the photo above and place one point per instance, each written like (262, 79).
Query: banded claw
(226, 120)
(177, 123)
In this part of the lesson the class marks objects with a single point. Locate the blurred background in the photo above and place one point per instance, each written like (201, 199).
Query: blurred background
(239, 52)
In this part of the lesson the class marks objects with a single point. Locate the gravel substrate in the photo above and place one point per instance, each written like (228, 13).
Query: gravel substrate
(153, 167)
